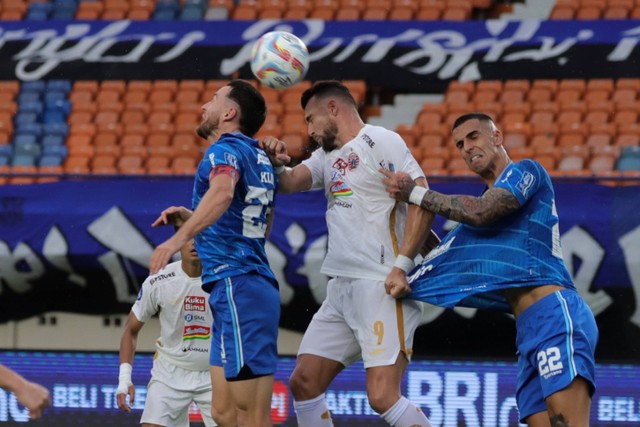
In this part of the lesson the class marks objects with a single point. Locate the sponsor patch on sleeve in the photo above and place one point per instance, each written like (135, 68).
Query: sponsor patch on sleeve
(525, 183)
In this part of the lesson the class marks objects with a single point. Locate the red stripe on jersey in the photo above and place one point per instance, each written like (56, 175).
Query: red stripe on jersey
(224, 170)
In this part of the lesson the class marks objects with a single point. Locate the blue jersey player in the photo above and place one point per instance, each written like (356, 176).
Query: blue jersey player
(233, 197)
(505, 255)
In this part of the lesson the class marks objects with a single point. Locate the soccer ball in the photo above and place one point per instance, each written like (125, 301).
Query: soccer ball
(279, 59)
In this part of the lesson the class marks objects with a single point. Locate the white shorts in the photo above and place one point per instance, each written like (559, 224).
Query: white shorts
(358, 320)
(167, 405)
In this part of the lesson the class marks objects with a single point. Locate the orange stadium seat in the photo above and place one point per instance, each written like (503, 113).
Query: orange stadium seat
(569, 140)
(49, 173)
(519, 153)
(588, 12)
(103, 161)
(515, 140)
(183, 165)
(76, 165)
(602, 163)
(598, 140)
(571, 163)
(547, 161)
(541, 140)
(576, 150)
(108, 150)
(130, 165)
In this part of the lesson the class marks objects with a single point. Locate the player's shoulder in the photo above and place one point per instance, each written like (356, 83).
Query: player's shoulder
(531, 166)
(168, 274)
(376, 131)
(378, 137)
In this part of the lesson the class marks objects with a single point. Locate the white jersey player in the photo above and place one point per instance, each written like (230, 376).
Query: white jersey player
(180, 373)
(372, 240)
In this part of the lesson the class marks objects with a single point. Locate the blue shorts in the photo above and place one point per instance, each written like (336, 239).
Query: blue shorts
(246, 315)
(556, 340)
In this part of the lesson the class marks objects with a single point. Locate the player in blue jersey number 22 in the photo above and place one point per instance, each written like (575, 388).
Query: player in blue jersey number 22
(505, 254)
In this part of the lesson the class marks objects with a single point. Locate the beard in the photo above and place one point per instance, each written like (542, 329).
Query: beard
(207, 128)
(328, 138)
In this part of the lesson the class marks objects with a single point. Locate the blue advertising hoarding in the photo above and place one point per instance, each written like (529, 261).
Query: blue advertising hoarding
(451, 393)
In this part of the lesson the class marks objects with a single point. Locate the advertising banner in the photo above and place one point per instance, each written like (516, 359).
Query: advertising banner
(418, 56)
(451, 393)
(83, 246)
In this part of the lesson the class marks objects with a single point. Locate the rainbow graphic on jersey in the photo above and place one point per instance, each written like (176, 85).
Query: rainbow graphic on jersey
(196, 333)
(340, 189)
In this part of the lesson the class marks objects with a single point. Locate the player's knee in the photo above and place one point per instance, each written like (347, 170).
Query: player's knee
(302, 387)
(224, 417)
(380, 400)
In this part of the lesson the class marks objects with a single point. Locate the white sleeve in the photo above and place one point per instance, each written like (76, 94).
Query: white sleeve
(147, 304)
(315, 164)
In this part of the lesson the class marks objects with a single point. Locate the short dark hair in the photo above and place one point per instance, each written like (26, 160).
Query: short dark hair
(472, 116)
(253, 108)
(327, 88)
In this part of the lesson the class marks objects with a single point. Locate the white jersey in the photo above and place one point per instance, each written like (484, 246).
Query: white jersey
(365, 225)
(185, 316)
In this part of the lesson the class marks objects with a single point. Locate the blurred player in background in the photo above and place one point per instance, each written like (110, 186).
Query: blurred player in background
(358, 320)
(180, 373)
(506, 255)
(31, 395)
(233, 198)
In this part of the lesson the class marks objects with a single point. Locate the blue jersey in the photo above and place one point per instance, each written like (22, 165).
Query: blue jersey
(472, 265)
(234, 244)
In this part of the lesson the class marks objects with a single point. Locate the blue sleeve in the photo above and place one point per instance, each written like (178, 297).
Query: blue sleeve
(522, 179)
(224, 153)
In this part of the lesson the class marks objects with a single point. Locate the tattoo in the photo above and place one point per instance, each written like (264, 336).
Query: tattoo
(405, 185)
(558, 421)
(494, 204)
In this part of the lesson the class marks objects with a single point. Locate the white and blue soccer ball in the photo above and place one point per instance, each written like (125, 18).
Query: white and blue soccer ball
(279, 59)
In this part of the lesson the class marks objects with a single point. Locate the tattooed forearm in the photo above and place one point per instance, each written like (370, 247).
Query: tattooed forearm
(493, 205)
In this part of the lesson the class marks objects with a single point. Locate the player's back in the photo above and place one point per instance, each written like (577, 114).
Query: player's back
(234, 244)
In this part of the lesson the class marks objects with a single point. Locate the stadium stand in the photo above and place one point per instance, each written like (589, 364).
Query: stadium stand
(89, 126)
(59, 122)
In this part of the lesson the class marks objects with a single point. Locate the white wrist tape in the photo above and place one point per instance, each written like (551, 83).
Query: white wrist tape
(404, 263)
(417, 194)
(279, 169)
(124, 378)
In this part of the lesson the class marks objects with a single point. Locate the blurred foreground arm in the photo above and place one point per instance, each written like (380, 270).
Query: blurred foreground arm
(33, 396)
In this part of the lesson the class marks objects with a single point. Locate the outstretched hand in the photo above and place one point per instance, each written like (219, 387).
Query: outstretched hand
(173, 215)
(277, 151)
(398, 184)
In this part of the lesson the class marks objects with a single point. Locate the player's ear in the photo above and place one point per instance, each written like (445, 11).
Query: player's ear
(230, 114)
(498, 138)
(332, 106)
